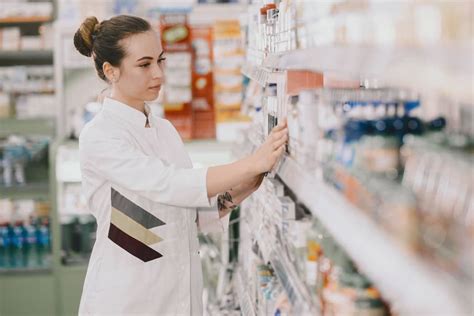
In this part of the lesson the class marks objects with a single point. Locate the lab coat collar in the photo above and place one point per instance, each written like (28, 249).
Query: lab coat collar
(126, 112)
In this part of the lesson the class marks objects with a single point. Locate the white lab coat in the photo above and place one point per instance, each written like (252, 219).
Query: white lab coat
(149, 204)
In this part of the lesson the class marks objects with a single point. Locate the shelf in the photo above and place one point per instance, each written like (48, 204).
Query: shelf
(22, 92)
(26, 127)
(39, 190)
(401, 277)
(78, 265)
(302, 302)
(443, 70)
(247, 308)
(19, 20)
(26, 57)
(294, 287)
(404, 279)
(22, 271)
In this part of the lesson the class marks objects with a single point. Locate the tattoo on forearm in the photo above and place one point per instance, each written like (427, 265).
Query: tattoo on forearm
(224, 201)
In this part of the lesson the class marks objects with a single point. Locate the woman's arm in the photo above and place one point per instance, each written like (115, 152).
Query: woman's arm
(112, 158)
(230, 199)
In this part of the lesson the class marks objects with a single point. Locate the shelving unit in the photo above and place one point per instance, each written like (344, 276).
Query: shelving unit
(19, 292)
(246, 306)
(24, 20)
(375, 252)
(39, 190)
(389, 66)
(408, 281)
(294, 287)
(26, 57)
(22, 271)
(39, 126)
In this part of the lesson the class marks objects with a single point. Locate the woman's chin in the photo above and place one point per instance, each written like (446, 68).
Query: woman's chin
(152, 95)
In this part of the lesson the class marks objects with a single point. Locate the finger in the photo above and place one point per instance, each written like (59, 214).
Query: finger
(281, 134)
(278, 143)
(281, 125)
(280, 151)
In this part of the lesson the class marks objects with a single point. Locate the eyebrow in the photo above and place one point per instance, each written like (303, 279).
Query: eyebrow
(148, 57)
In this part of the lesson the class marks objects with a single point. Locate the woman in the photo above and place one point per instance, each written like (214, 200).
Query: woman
(140, 185)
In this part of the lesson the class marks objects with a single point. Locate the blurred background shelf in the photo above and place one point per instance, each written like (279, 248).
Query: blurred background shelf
(30, 271)
(22, 20)
(35, 190)
(25, 127)
(26, 57)
(374, 251)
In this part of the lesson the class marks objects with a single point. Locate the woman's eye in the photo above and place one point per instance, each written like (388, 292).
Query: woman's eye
(161, 60)
(145, 65)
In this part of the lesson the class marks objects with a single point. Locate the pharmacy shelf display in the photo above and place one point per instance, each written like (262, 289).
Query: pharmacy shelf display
(375, 251)
(246, 304)
(27, 129)
(388, 66)
(378, 93)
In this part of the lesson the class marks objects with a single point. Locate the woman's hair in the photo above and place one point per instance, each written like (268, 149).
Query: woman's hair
(101, 40)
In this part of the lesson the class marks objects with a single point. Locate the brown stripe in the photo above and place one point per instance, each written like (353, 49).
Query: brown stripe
(131, 245)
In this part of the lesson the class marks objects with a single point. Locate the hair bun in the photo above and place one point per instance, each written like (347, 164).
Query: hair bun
(83, 39)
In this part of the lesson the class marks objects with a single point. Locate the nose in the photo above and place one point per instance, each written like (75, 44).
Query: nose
(158, 72)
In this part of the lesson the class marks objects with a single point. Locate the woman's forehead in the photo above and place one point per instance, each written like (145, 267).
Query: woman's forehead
(143, 44)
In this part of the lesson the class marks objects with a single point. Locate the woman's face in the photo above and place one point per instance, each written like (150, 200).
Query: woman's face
(141, 71)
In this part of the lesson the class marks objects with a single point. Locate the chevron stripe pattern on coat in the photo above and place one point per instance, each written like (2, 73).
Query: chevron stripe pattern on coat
(130, 228)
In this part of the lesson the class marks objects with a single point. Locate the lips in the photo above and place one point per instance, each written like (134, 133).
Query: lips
(155, 87)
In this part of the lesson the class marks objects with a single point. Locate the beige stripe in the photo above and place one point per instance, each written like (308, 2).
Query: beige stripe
(132, 228)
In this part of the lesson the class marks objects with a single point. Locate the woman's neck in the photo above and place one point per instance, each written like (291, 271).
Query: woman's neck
(136, 104)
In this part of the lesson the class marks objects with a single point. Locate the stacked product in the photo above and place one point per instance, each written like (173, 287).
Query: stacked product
(177, 92)
(24, 234)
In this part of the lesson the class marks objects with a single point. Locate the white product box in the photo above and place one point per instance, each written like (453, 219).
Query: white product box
(10, 38)
(288, 208)
(31, 43)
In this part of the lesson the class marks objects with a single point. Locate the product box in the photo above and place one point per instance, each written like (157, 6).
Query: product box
(35, 106)
(288, 208)
(5, 109)
(203, 83)
(46, 32)
(228, 60)
(299, 80)
(10, 38)
(277, 188)
(31, 42)
(176, 41)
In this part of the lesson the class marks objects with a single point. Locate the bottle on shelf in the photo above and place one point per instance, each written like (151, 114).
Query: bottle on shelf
(43, 245)
(4, 246)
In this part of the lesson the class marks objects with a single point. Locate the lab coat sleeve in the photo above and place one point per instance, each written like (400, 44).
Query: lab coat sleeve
(113, 159)
(208, 220)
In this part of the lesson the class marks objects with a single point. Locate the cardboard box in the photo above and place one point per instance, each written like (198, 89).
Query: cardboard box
(176, 41)
(203, 83)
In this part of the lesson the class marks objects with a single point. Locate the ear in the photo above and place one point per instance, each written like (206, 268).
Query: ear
(111, 73)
